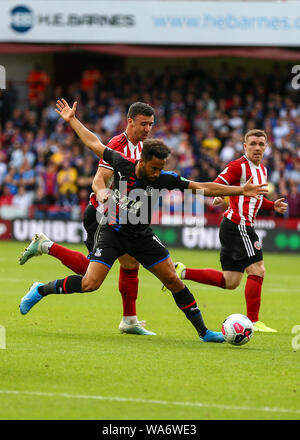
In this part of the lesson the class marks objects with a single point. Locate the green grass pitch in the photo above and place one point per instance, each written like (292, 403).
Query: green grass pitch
(67, 360)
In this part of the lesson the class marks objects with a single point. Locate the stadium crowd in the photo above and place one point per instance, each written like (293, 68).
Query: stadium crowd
(201, 116)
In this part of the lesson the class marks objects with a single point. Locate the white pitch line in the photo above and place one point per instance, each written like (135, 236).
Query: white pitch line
(155, 402)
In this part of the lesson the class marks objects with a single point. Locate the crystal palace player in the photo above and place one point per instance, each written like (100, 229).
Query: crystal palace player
(119, 235)
(240, 247)
(140, 119)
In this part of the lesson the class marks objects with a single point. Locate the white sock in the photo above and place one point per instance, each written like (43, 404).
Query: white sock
(129, 320)
(46, 245)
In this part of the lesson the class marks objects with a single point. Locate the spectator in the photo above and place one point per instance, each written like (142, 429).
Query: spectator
(22, 200)
(40, 204)
(12, 180)
(28, 178)
(211, 143)
(37, 81)
(3, 166)
(111, 120)
(293, 200)
(200, 116)
(90, 77)
(49, 182)
(6, 197)
(67, 179)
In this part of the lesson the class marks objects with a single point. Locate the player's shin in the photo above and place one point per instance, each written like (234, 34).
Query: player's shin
(187, 303)
(70, 284)
(128, 286)
(253, 289)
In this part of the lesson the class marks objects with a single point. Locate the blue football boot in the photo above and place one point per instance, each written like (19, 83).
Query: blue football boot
(31, 298)
(211, 336)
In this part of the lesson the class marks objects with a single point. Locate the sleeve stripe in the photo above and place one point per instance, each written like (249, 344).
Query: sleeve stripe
(224, 180)
(105, 166)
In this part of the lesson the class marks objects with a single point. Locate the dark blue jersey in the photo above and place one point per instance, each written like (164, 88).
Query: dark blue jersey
(132, 199)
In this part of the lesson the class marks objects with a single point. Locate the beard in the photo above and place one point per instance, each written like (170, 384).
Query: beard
(145, 178)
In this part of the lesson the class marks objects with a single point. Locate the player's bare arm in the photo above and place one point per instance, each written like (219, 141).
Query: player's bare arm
(100, 183)
(217, 189)
(88, 138)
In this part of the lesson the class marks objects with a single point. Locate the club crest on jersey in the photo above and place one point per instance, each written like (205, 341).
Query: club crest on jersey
(98, 252)
(257, 245)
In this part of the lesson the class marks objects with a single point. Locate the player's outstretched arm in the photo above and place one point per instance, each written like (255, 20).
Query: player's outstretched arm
(88, 138)
(217, 189)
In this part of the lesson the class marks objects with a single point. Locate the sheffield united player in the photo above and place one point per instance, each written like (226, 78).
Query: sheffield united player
(118, 237)
(240, 246)
(140, 119)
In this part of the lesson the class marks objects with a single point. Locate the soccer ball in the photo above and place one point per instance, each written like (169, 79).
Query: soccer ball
(237, 329)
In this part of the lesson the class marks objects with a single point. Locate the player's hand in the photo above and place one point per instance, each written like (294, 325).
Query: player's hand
(250, 190)
(102, 195)
(64, 110)
(280, 206)
(217, 200)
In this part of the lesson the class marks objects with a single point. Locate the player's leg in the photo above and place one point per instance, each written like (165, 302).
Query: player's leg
(155, 257)
(231, 275)
(255, 269)
(128, 287)
(224, 279)
(74, 260)
(91, 281)
(41, 244)
(253, 288)
(184, 299)
(102, 259)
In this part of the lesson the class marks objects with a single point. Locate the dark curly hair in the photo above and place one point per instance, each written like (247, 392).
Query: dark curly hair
(156, 148)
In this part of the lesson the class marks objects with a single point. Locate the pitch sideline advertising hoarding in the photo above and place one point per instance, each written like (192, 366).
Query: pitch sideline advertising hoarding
(151, 22)
(271, 237)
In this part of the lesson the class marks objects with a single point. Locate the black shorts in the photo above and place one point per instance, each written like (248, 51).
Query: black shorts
(90, 224)
(111, 245)
(240, 246)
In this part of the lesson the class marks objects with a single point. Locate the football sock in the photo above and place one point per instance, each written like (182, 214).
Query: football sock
(253, 296)
(128, 286)
(70, 284)
(74, 260)
(187, 303)
(212, 277)
(46, 245)
(130, 320)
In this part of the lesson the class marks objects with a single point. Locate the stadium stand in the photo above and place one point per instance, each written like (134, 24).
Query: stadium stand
(45, 172)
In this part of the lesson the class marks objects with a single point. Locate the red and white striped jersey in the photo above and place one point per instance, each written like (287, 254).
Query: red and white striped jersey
(122, 144)
(243, 210)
